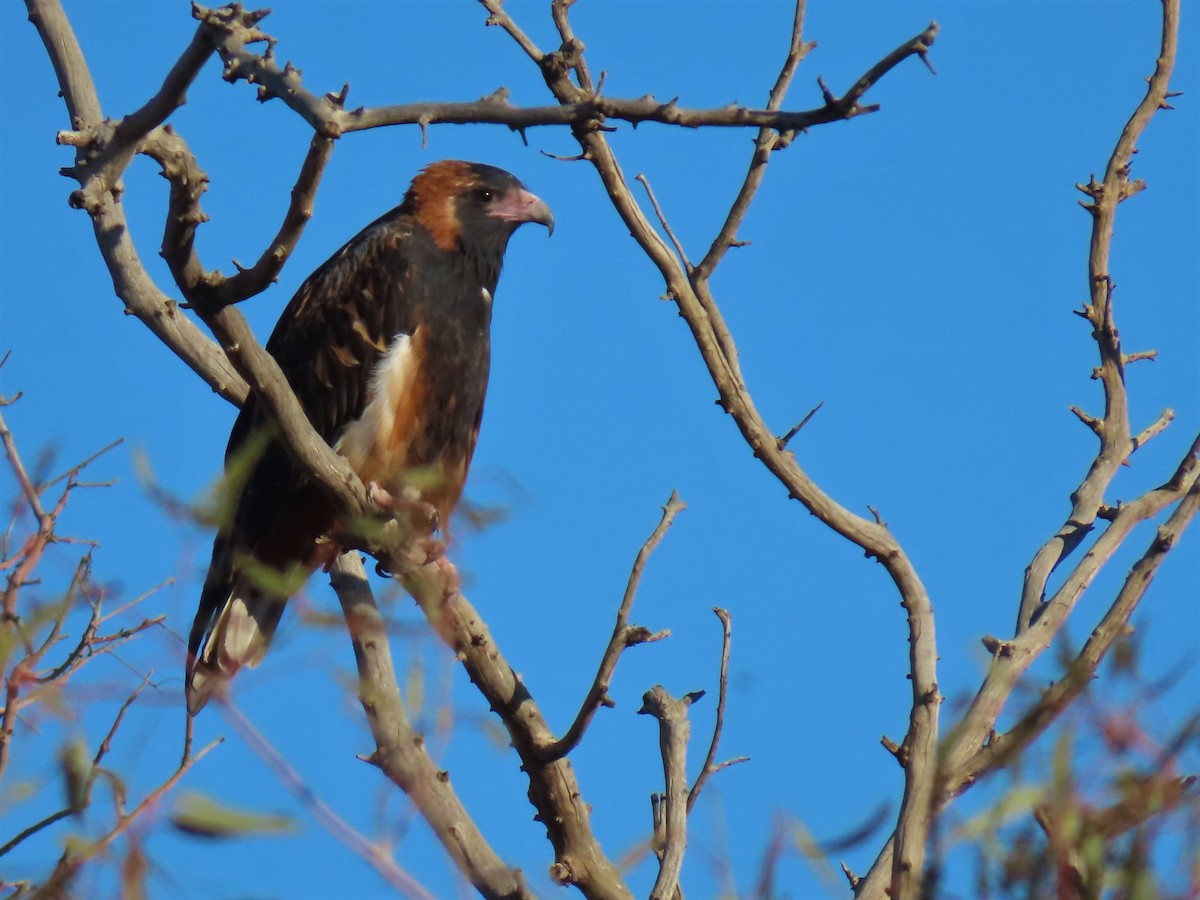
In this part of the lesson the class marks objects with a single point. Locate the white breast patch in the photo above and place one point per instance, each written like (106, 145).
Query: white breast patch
(368, 442)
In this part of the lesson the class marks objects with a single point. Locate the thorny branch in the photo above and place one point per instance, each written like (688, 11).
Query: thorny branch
(767, 141)
(553, 788)
(238, 364)
(228, 32)
(971, 750)
(209, 290)
(688, 286)
(141, 296)
(1183, 490)
(691, 293)
(400, 750)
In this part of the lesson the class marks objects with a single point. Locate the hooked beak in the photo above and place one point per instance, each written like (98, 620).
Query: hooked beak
(522, 206)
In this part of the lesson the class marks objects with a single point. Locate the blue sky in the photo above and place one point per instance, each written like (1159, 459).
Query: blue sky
(915, 270)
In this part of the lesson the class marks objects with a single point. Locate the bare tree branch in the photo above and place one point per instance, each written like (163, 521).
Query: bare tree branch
(768, 140)
(696, 304)
(1001, 749)
(553, 788)
(231, 34)
(109, 148)
(624, 635)
(670, 826)
(237, 364)
(132, 284)
(209, 289)
(1038, 621)
(710, 761)
(400, 751)
(1116, 443)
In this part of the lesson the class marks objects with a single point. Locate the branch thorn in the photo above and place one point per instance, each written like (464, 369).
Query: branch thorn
(782, 442)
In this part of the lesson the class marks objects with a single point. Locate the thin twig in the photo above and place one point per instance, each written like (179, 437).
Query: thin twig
(710, 765)
(25, 833)
(782, 442)
(767, 141)
(663, 221)
(31, 494)
(70, 862)
(371, 853)
(72, 473)
(623, 636)
(82, 570)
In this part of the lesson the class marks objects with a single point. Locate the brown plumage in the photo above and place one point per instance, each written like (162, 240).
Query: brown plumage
(386, 347)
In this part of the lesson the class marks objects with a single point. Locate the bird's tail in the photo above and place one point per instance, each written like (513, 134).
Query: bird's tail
(240, 608)
(239, 636)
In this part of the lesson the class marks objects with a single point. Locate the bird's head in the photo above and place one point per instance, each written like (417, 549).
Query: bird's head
(472, 206)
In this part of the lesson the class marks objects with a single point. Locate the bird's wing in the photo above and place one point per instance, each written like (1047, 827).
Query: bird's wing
(327, 342)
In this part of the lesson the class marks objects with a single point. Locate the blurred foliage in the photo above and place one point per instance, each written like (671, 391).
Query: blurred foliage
(1100, 807)
(203, 816)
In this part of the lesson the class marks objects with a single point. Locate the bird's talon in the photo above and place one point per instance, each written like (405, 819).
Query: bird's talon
(379, 495)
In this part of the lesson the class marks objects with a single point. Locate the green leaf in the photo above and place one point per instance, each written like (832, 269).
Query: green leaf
(76, 768)
(203, 816)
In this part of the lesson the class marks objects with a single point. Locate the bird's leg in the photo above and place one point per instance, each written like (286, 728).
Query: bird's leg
(325, 553)
(422, 516)
(379, 495)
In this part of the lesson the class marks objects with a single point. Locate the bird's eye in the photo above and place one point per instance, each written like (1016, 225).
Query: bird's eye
(483, 195)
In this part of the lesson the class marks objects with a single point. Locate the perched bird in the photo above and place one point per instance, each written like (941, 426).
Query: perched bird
(387, 348)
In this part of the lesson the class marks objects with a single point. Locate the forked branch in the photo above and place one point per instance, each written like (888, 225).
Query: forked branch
(971, 750)
(691, 292)
(624, 635)
(400, 751)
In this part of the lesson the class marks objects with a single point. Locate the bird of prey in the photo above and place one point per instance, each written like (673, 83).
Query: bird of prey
(387, 348)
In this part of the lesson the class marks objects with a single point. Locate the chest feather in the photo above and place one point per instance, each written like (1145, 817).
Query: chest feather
(377, 443)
